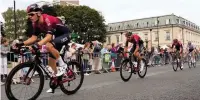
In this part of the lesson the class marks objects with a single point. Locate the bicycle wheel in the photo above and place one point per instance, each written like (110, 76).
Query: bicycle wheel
(189, 61)
(175, 64)
(127, 67)
(73, 76)
(21, 78)
(142, 68)
(180, 64)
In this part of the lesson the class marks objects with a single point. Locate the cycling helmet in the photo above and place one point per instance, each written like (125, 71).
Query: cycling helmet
(189, 43)
(128, 34)
(175, 40)
(33, 8)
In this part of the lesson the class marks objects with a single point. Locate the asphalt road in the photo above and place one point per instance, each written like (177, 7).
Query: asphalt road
(161, 83)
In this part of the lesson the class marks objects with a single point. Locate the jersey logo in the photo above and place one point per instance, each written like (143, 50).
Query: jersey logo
(47, 22)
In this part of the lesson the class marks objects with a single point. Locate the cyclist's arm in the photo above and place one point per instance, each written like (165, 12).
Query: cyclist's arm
(31, 40)
(47, 38)
(126, 47)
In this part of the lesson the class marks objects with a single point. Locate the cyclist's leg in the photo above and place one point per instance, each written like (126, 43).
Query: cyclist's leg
(55, 46)
(193, 55)
(53, 56)
(137, 54)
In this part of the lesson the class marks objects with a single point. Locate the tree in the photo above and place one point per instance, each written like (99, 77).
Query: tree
(9, 22)
(84, 21)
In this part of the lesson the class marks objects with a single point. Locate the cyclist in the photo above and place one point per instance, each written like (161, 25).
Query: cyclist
(178, 47)
(191, 49)
(56, 35)
(137, 45)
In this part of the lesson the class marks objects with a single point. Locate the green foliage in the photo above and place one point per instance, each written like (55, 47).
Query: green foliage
(83, 20)
(87, 22)
(9, 23)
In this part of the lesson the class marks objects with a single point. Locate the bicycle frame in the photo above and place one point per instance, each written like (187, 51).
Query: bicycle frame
(38, 63)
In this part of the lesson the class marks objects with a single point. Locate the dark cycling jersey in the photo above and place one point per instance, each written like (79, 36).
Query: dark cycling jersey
(177, 45)
(51, 25)
(136, 40)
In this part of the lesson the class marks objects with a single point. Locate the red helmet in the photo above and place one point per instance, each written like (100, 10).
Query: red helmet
(33, 8)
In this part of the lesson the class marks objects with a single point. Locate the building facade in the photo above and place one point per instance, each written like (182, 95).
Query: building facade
(156, 31)
(67, 2)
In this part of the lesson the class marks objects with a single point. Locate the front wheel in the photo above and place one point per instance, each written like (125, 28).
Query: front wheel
(73, 73)
(23, 80)
(142, 68)
(175, 64)
(126, 67)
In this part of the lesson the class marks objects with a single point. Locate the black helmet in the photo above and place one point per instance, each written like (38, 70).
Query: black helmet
(128, 34)
(175, 40)
(33, 8)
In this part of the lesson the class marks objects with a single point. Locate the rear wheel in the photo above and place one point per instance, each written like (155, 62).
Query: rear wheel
(24, 75)
(75, 74)
(126, 70)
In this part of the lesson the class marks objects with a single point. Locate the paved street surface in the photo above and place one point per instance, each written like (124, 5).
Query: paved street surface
(161, 83)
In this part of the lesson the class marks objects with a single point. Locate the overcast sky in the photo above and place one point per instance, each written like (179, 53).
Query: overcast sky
(121, 10)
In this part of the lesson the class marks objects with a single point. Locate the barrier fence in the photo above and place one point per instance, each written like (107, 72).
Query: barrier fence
(106, 62)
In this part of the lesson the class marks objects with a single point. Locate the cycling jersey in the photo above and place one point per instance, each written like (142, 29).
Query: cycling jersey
(190, 46)
(178, 45)
(51, 25)
(136, 40)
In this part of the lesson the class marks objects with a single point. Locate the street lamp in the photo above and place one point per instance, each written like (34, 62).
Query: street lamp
(15, 21)
(151, 36)
(157, 31)
(121, 36)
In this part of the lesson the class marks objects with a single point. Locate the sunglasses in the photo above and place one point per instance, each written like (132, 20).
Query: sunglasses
(31, 14)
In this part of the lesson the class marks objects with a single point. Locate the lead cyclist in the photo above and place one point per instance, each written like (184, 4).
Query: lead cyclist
(56, 35)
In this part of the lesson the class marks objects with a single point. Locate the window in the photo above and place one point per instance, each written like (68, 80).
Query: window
(178, 21)
(147, 24)
(167, 21)
(119, 27)
(110, 28)
(167, 35)
(156, 36)
(109, 40)
(137, 25)
(184, 22)
(146, 36)
(117, 38)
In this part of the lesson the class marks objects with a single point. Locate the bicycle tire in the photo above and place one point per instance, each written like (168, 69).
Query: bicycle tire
(189, 62)
(125, 62)
(145, 67)
(175, 65)
(14, 71)
(180, 64)
(69, 92)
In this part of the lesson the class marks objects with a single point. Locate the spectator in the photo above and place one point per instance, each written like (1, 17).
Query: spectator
(3, 61)
(96, 55)
(86, 57)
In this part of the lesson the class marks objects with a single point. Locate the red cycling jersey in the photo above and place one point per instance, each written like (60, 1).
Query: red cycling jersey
(135, 39)
(49, 25)
(177, 45)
